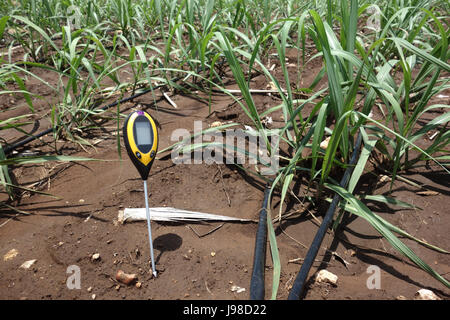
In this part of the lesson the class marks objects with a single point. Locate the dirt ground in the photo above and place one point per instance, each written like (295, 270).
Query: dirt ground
(83, 221)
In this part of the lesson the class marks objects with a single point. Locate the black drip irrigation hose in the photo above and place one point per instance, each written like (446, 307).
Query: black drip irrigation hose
(9, 148)
(299, 283)
(257, 288)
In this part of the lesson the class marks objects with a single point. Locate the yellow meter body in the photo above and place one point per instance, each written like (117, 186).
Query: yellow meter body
(140, 136)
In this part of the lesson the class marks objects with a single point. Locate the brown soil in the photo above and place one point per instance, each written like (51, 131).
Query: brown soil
(83, 221)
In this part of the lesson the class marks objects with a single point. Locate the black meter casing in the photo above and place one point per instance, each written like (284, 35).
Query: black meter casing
(140, 137)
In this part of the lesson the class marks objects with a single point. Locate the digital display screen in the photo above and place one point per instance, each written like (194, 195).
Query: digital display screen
(143, 132)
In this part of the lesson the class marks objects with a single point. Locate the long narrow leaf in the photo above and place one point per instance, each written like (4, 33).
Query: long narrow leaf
(364, 212)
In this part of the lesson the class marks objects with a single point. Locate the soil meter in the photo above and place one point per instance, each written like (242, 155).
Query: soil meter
(141, 141)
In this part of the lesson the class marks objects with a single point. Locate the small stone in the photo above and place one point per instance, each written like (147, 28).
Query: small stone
(89, 289)
(81, 201)
(324, 143)
(237, 289)
(425, 294)
(186, 295)
(326, 276)
(138, 285)
(125, 278)
(185, 257)
(11, 254)
(95, 256)
(401, 298)
(27, 264)
(213, 254)
(93, 296)
(117, 287)
(60, 243)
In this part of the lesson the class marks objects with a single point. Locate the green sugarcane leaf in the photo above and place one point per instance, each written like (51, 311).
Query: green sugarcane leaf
(275, 256)
(389, 200)
(3, 22)
(367, 214)
(41, 159)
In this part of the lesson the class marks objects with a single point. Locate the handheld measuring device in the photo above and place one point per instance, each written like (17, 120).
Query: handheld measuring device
(141, 141)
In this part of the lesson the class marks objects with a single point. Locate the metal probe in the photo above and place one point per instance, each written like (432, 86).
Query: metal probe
(147, 212)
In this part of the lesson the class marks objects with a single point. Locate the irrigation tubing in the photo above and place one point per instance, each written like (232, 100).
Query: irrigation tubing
(10, 148)
(257, 288)
(299, 283)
